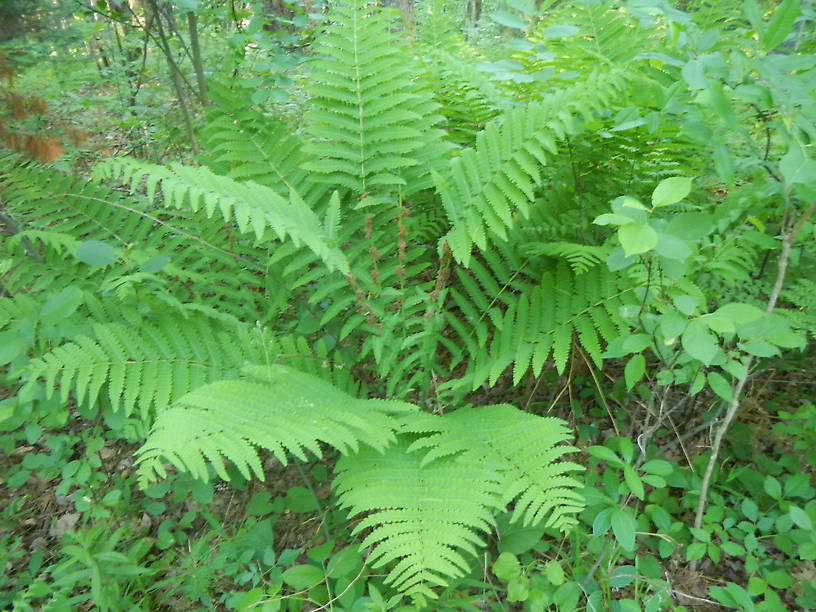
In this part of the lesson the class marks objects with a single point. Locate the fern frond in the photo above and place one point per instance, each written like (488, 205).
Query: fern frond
(145, 367)
(424, 517)
(581, 257)
(484, 188)
(371, 123)
(536, 324)
(280, 410)
(246, 145)
(603, 32)
(527, 449)
(254, 208)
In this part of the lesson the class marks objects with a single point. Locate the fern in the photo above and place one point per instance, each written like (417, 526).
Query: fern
(526, 449)
(419, 516)
(487, 185)
(279, 409)
(581, 257)
(148, 366)
(424, 510)
(248, 146)
(533, 326)
(254, 208)
(372, 126)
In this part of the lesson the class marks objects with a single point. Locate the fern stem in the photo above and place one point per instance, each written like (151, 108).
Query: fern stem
(320, 508)
(600, 390)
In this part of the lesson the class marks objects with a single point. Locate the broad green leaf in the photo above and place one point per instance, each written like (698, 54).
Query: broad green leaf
(506, 566)
(700, 343)
(661, 467)
(554, 572)
(634, 343)
(687, 304)
(670, 191)
(627, 202)
(12, 345)
(611, 219)
(634, 370)
(672, 247)
(624, 527)
(749, 509)
(772, 487)
(508, 19)
(759, 348)
(796, 167)
(740, 313)
(605, 454)
(303, 576)
(95, 253)
(720, 386)
(602, 521)
(518, 588)
(780, 579)
(801, 518)
(694, 74)
(633, 482)
(637, 238)
(154, 264)
(781, 24)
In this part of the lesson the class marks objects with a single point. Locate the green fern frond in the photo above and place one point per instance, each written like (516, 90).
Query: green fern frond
(581, 257)
(145, 367)
(254, 208)
(527, 449)
(279, 409)
(484, 188)
(371, 121)
(246, 145)
(601, 32)
(468, 98)
(537, 324)
(424, 517)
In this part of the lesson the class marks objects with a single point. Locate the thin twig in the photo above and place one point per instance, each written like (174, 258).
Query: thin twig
(734, 405)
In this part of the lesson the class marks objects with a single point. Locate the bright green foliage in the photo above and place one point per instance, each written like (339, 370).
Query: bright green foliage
(525, 449)
(420, 515)
(487, 185)
(524, 332)
(248, 146)
(249, 307)
(283, 410)
(149, 366)
(372, 126)
(254, 208)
